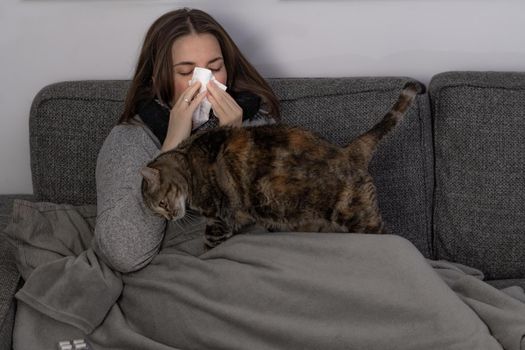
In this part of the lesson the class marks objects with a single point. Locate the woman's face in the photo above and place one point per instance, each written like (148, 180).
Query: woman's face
(195, 50)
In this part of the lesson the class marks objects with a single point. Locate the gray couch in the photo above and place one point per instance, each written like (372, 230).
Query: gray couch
(450, 178)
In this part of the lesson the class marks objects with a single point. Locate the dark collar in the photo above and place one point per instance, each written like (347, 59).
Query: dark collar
(156, 117)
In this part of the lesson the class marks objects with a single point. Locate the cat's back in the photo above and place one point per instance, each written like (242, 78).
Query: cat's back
(279, 144)
(282, 137)
(264, 137)
(283, 148)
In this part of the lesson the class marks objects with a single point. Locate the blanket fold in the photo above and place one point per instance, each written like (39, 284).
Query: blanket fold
(75, 290)
(503, 314)
(64, 278)
(255, 291)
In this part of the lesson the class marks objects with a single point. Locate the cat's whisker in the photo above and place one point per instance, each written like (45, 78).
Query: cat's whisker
(192, 217)
(179, 224)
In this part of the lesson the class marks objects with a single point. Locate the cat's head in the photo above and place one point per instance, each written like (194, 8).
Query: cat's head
(164, 190)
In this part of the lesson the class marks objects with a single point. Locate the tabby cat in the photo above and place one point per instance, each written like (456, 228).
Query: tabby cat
(280, 177)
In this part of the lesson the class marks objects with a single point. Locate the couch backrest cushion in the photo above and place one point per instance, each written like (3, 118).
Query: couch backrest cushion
(70, 120)
(479, 126)
(68, 124)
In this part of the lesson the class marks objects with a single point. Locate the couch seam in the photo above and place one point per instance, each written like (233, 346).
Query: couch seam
(428, 191)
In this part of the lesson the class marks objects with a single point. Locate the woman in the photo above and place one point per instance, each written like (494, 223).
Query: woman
(158, 116)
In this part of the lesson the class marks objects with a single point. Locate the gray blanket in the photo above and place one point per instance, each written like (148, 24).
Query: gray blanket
(255, 291)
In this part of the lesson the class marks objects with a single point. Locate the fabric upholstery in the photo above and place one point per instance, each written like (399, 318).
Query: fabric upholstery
(68, 123)
(9, 275)
(479, 125)
(70, 120)
(6, 206)
(6, 327)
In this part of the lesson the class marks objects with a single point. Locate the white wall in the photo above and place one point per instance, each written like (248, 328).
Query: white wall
(45, 41)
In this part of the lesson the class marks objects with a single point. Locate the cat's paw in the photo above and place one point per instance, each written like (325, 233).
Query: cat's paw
(210, 243)
(216, 233)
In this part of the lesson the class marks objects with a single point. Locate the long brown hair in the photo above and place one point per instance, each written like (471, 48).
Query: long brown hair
(155, 61)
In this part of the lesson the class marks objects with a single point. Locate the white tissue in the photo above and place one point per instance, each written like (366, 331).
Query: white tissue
(202, 112)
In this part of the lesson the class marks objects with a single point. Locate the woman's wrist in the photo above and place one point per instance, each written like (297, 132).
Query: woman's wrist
(173, 141)
(178, 130)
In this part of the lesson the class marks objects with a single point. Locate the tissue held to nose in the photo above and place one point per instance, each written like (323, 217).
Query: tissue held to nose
(202, 112)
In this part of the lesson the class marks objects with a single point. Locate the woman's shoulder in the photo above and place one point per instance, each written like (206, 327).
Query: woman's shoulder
(131, 136)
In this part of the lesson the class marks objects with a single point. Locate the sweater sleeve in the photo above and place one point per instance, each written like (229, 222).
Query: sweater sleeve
(127, 233)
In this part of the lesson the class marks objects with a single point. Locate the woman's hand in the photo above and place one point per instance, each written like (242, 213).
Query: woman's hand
(224, 106)
(179, 127)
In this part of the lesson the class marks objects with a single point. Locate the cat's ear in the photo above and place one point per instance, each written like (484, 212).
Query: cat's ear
(151, 175)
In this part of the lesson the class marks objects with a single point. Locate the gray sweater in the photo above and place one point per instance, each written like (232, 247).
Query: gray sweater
(127, 234)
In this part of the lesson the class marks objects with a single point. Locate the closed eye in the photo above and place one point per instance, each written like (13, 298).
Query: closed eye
(190, 72)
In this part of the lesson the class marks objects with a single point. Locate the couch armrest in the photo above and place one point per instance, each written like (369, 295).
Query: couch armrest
(6, 206)
(9, 276)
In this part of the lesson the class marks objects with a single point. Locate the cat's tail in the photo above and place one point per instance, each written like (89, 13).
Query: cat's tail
(363, 147)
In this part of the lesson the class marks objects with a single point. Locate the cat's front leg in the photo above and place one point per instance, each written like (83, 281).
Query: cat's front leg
(217, 231)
